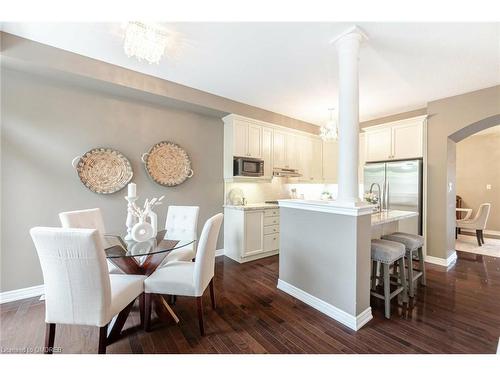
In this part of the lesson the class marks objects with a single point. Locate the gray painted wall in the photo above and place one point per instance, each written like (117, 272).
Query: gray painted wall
(47, 123)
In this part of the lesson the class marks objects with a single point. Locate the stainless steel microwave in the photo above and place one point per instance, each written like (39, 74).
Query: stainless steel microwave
(248, 167)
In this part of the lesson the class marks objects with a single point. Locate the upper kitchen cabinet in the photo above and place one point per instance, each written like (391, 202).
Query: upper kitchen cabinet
(309, 158)
(396, 140)
(286, 146)
(247, 139)
(330, 161)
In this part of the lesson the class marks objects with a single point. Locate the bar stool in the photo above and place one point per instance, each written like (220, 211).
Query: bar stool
(413, 244)
(387, 253)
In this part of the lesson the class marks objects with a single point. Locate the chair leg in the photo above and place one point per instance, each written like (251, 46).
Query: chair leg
(103, 339)
(387, 291)
(421, 260)
(402, 278)
(410, 275)
(147, 311)
(478, 236)
(199, 302)
(212, 293)
(50, 335)
(456, 232)
(141, 308)
(482, 236)
(374, 274)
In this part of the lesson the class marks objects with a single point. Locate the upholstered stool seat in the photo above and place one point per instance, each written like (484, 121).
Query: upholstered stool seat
(413, 245)
(385, 253)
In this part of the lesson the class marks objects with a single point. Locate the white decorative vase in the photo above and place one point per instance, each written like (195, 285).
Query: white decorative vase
(142, 231)
(153, 220)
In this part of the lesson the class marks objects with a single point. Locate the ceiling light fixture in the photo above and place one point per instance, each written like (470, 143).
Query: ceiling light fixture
(145, 41)
(329, 131)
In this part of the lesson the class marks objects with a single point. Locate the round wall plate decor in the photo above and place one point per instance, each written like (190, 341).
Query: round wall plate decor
(104, 170)
(168, 164)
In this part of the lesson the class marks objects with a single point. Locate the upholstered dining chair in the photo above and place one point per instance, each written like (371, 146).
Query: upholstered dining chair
(78, 288)
(182, 224)
(86, 219)
(187, 278)
(478, 223)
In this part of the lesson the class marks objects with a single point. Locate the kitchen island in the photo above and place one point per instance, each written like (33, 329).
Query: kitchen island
(325, 255)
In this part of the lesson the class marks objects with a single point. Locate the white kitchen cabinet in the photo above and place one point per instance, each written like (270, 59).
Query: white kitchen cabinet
(267, 151)
(250, 234)
(378, 144)
(407, 140)
(292, 150)
(247, 139)
(394, 141)
(310, 159)
(279, 149)
(330, 161)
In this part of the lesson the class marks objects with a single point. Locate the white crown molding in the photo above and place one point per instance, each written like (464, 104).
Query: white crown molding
(441, 261)
(409, 120)
(351, 321)
(18, 294)
(328, 207)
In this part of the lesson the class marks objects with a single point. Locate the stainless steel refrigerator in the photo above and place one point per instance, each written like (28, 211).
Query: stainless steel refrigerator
(401, 188)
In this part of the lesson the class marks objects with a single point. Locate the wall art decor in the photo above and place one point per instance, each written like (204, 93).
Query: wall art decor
(103, 170)
(168, 164)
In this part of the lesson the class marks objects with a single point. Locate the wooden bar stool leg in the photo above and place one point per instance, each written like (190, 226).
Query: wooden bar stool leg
(402, 277)
(410, 274)
(387, 291)
(374, 274)
(423, 280)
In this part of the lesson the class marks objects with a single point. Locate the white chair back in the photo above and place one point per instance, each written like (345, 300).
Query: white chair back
(205, 258)
(85, 219)
(482, 215)
(76, 280)
(182, 223)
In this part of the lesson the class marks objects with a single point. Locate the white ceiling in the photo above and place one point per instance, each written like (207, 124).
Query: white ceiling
(290, 68)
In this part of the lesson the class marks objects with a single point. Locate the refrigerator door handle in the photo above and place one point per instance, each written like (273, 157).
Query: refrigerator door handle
(387, 200)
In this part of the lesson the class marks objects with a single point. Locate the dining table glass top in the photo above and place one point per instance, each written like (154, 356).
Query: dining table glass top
(116, 247)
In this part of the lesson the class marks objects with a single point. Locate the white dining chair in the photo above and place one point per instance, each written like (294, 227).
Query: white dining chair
(78, 288)
(87, 219)
(182, 225)
(187, 278)
(478, 223)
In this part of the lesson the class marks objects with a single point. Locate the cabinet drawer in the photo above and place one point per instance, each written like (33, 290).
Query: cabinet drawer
(272, 212)
(271, 242)
(271, 220)
(271, 229)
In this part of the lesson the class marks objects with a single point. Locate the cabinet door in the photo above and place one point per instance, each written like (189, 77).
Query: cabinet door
(378, 144)
(279, 149)
(330, 161)
(240, 138)
(267, 139)
(407, 141)
(292, 151)
(254, 141)
(316, 168)
(304, 157)
(254, 232)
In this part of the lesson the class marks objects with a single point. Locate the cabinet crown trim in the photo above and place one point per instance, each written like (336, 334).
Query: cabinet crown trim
(410, 120)
(231, 117)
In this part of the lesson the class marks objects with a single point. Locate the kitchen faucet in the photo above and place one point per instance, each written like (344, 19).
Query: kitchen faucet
(379, 197)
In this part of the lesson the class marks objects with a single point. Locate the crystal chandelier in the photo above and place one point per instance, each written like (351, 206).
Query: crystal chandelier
(145, 41)
(329, 131)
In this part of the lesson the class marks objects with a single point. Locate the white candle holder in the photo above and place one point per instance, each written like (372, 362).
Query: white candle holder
(131, 219)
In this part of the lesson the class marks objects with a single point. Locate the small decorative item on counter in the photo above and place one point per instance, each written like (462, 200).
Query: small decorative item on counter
(293, 193)
(371, 198)
(326, 195)
(144, 230)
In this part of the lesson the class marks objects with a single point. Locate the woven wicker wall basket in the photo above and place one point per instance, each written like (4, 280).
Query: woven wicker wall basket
(168, 164)
(103, 170)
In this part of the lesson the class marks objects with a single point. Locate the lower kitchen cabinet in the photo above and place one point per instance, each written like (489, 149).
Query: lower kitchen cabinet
(250, 234)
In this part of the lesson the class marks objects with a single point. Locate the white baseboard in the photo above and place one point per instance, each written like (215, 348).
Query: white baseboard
(441, 261)
(219, 252)
(18, 294)
(351, 321)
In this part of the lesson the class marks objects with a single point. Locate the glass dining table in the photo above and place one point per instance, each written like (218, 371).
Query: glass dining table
(142, 258)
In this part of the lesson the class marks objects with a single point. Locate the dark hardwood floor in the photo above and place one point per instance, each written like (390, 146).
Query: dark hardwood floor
(458, 312)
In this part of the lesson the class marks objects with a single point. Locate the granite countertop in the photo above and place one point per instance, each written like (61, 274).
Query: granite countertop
(251, 206)
(390, 216)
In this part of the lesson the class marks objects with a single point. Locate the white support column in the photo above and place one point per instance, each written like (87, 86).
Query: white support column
(347, 46)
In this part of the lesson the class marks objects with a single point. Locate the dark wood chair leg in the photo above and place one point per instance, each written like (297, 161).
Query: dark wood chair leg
(212, 294)
(478, 236)
(147, 311)
(199, 302)
(456, 232)
(103, 339)
(141, 308)
(50, 335)
(482, 236)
